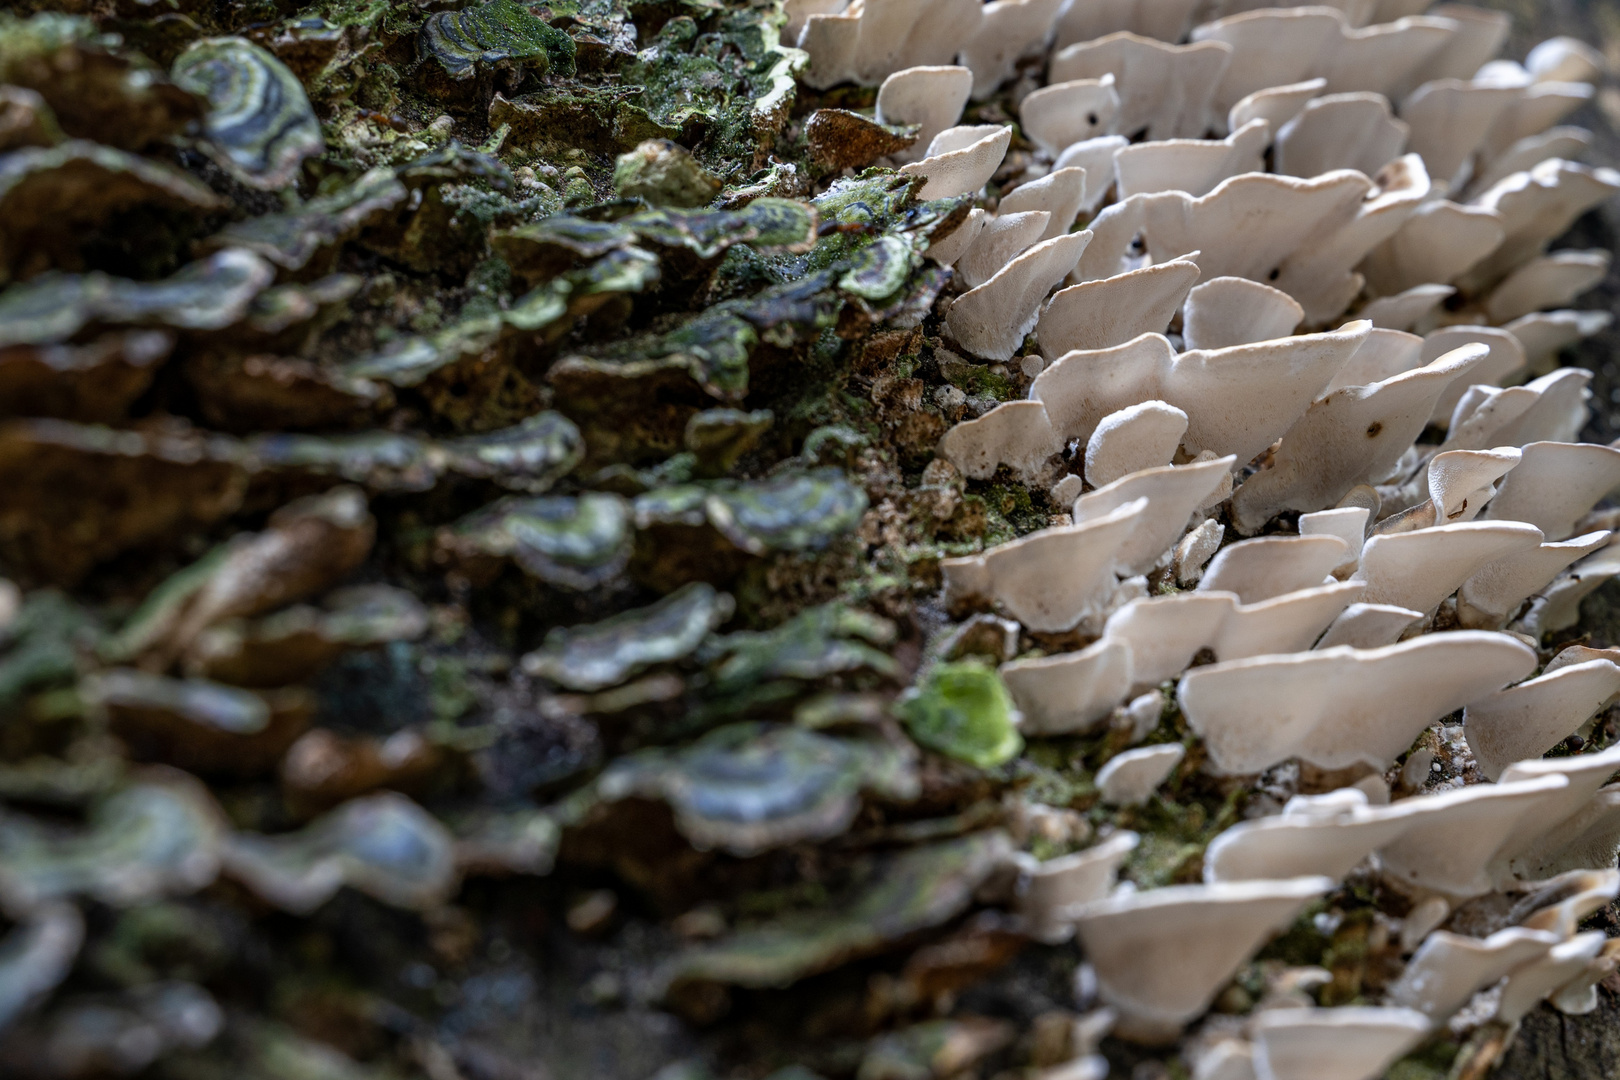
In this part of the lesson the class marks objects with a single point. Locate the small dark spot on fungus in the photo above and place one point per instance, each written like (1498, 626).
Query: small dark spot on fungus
(1091, 119)
(1374, 428)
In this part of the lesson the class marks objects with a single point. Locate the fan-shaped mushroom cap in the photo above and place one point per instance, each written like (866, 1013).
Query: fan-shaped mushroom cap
(1340, 131)
(1537, 206)
(1418, 569)
(868, 44)
(1545, 333)
(1096, 157)
(1341, 706)
(1164, 20)
(1555, 484)
(1406, 309)
(1164, 89)
(1139, 437)
(1549, 409)
(992, 320)
(949, 249)
(1449, 119)
(1164, 633)
(1238, 400)
(1285, 624)
(1321, 274)
(1439, 243)
(1384, 355)
(1111, 311)
(1227, 311)
(1350, 436)
(1569, 143)
(1548, 282)
(1558, 605)
(1246, 227)
(1173, 493)
(1586, 840)
(1563, 963)
(1270, 48)
(930, 97)
(1368, 626)
(1496, 590)
(1130, 778)
(1587, 773)
(1538, 108)
(1271, 566)
(1527, 720)
(1353, 1042)
(1051, 579)
(1015, 434)
(1047, 890)
(1460, 481)
(1278, 104)
(1002, 239)
(1191, 166)
(1070, 692)
(1575, 895)
(955, 167)
(1566, 59)
(1315, 834)
(1060, 193)
(1505, 359)
(1059, 115)
(1348, 523)
(1161, 955)
(1010, 29)
(1195, 549)
(1448, 968)
(1480, 36)
(1449, 847)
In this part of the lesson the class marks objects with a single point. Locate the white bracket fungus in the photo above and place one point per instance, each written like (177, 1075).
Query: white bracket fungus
(1351, 436)
(1494, 592)
(992, 320)
(1439, 243)
(1009, 30)
(1271, 566)
(1340, 131)
(1327, 835)
(1555, 484)
(867, 42)
(1111, 311)
(1056, 117)
(1448, 968)
(930, 97)
(1046, 891)
(1162, 955)
(1073, 691)
(1002, 239)
(1060, 193)
(1551, 281)
(1130, 778)
(1353, 1042)
(1419, 569)
(1052, 579)
(1190, 166)
(1348, 523)
(1368, 626)
(1142, 436)
(1341, 706)
(1173, 494)
(961, 160)
(1227, 311)
(1454, 838)
(1015, 434)
(1276, 104)
(1527, 720)
(1164, 20)
(1165, 90)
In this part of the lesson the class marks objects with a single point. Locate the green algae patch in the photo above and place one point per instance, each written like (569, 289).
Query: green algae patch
(963, 711)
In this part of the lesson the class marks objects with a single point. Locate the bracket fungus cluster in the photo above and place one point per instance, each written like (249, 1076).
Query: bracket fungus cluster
(891, 539)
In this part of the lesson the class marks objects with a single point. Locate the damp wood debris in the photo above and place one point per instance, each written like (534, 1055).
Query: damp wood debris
(794, 539)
